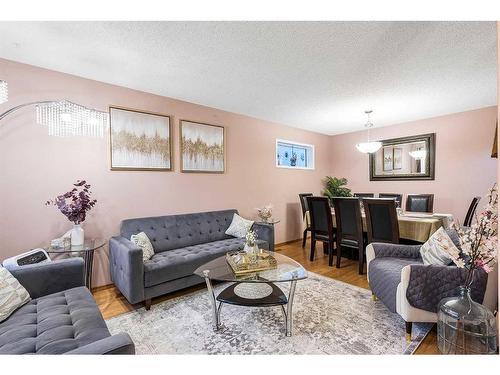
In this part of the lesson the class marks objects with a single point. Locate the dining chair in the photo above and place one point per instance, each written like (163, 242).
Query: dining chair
(364, 195)
(381, 220)
(397, 197)
(303, 204)
(419, 202)
(349, 231)
(471, 211)
(321, 225)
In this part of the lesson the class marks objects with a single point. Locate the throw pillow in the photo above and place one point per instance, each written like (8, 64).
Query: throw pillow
(239, 226)
(142, 240)
(436, 249)
(12, 294)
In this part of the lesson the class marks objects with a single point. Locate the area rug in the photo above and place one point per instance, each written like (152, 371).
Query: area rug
(329, 317)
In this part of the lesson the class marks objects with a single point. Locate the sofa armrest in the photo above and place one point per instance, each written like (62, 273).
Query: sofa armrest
(265, 232)
(51, 277)
(120, 343)
(429, 284)
(395, 250)
(127, 268)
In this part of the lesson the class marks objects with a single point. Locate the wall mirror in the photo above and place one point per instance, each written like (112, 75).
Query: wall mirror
(404, 159)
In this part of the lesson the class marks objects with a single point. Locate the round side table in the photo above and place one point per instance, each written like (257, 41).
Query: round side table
(85, 251)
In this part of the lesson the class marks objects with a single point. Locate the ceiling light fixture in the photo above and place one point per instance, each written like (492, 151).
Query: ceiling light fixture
(4, 92)
(369, 147)
(418, 154)
(64, 118)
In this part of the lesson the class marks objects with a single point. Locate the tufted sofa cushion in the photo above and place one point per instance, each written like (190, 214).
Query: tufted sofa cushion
(385, 275)
(174, 264)
(179, 231)
(53, 324)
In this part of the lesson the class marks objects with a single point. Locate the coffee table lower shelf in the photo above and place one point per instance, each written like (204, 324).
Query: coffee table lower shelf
(276, 297)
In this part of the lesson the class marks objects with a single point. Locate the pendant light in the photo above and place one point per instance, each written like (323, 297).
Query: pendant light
(369, 147)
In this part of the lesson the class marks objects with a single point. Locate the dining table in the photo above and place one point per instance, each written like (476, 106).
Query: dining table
(415, 226)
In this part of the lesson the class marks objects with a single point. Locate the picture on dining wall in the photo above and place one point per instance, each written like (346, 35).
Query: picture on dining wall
(397, 158)
(388, 159)
(139, 140)
(202, 147)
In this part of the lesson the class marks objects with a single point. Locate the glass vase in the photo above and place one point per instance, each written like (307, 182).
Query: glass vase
(465, 326)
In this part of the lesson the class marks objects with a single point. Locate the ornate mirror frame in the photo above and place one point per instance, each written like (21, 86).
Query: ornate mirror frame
(430, 141)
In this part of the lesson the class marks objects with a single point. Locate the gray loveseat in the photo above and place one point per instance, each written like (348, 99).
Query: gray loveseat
(181, 243)
(62, 316)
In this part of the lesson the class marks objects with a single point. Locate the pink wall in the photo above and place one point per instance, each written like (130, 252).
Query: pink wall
(464, 167)
(35, 167)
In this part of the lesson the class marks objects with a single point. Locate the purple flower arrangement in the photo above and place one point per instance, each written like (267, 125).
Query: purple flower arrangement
(75, 203)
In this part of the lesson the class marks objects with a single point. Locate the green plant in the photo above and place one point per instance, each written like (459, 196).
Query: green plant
(335, 187)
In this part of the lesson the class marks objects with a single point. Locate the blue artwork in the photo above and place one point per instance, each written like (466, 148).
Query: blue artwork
(291, 155)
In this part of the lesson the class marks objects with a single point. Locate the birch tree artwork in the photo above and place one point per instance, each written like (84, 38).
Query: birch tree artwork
(139, 140)
(202, 147)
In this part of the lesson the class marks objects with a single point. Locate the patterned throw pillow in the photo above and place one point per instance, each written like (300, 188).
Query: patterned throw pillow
(239, 226)
(436, 249)
(144, 243)
(12, 294)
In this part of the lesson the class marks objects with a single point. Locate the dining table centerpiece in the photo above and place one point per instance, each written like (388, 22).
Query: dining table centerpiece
(75, 204)
(465, 326)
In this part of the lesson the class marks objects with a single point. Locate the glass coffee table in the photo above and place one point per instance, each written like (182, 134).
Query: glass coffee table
(257, 289)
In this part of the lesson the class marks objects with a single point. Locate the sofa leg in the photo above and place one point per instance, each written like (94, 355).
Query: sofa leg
(147, 304)
(408, 331)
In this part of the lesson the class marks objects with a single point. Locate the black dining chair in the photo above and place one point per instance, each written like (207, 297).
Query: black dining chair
(420, 202)
(397, 197)
(364, 195)
(471, 211)
(303, 204)
(381, 220)
(349, 228)
(321, 225)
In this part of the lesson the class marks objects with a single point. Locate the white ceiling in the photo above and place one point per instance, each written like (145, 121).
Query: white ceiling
(319, 76)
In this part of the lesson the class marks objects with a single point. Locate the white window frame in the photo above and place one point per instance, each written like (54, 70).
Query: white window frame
(306, 145)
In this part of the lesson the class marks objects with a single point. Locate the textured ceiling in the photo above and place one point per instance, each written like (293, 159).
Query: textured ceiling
(319, 76)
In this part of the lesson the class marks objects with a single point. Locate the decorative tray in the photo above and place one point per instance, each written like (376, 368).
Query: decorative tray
(241, 264)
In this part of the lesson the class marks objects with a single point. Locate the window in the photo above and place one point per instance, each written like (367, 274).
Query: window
(294, 155)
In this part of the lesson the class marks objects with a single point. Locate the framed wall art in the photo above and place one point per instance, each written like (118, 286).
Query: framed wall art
(202, 147)
(140, 140)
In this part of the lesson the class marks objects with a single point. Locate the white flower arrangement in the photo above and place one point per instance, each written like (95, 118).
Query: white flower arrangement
(251, 238)
(479, 242)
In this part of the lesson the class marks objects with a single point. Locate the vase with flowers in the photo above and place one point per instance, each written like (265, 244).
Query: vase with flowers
(75, 204)
(465, 326)
(251, 247)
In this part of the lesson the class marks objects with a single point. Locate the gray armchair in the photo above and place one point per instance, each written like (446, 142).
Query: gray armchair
(62, 316)
(399, 279)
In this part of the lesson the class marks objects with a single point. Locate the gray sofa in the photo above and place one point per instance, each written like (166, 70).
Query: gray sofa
(62, 316)
(181, 243)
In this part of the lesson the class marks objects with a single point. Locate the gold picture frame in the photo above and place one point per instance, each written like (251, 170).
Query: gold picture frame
(202, 131)
(137, 136)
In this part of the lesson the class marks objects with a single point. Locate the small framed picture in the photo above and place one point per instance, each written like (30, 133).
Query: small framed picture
(388, 161)
(397, 158)
(202, 147)
(139, 140)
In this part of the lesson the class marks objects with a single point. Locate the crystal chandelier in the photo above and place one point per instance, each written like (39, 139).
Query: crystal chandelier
(4, 92)
(64, 118)
(369, 147)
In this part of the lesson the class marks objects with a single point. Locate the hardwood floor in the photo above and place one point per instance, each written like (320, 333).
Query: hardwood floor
(112, 303)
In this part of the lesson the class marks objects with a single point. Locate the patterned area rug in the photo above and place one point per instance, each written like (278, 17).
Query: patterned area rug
(330, 317)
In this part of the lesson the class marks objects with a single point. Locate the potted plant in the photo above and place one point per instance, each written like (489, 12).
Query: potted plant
(74, 205)
(335, 187)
